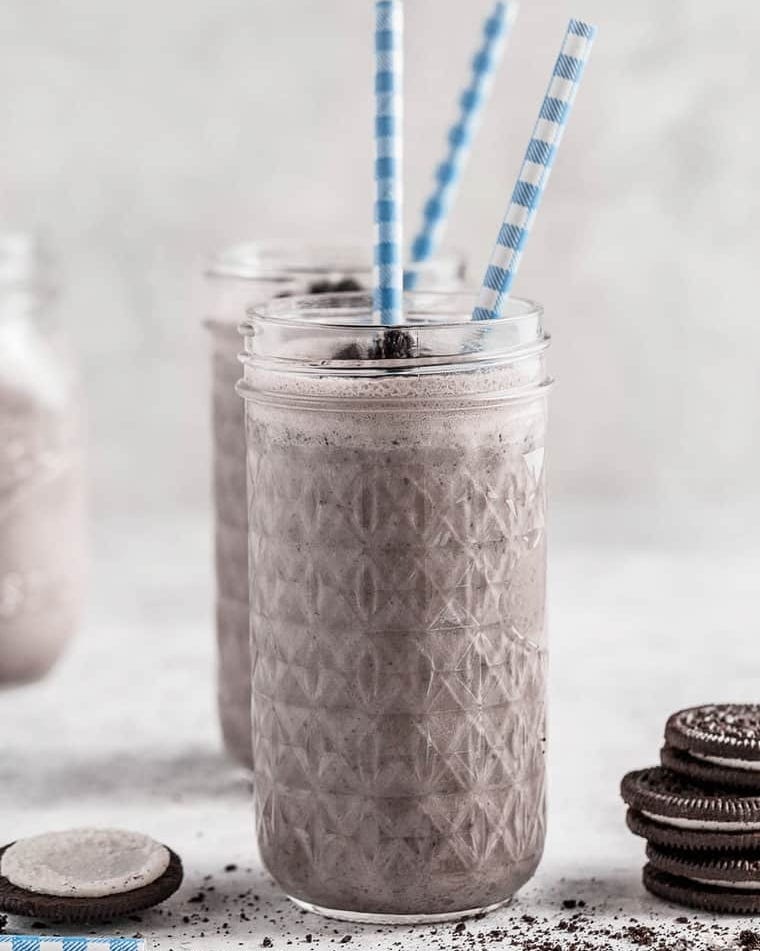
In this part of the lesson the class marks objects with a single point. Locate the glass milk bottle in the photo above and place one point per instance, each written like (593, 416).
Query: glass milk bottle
(239, 277)
(41, 474)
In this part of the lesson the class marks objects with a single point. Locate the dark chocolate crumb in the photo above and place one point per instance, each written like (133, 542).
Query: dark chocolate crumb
(307, 939)
(348, 285)
(345, 939)
(350, 352)
(266, 943)
(230, 868)
(197, 899)
(344, 286)
(320, 287)
(749, 939)
(460, 928)
(641, 935)
(394, 344)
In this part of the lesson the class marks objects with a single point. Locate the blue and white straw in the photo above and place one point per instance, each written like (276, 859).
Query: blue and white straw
(389, 267)
(27, 942)
(460, 138)
(539, 159)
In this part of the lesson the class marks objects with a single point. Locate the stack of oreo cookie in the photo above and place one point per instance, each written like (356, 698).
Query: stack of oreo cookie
(700, 810)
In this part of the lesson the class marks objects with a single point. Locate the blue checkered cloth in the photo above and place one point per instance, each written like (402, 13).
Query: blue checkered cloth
(460, 138)
(25, 942)
(389, 268)
(539, 159)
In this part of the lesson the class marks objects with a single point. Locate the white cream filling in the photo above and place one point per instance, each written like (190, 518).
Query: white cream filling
(753, 765)
(705, 825)
(739, 886)
(84, 863)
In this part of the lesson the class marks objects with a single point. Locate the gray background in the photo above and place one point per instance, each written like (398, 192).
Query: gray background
(140, 136)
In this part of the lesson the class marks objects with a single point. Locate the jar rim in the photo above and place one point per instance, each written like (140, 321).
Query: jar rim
(336, 333)
(283, 259)
(312, 311)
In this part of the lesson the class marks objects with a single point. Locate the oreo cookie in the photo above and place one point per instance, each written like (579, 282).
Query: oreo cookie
(741, 870)
(716, 743)
(708, 883)
(710, 773)
(672, 837)
(86, 875)
(676, 801)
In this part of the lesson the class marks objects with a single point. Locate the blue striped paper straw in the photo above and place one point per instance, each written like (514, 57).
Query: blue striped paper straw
(27, 942)
(389, 268)
(539, 159)
(460, 138)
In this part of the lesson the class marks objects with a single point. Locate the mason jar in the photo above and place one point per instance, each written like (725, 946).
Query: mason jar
(240, 276)
(42, 537)
(397, 547)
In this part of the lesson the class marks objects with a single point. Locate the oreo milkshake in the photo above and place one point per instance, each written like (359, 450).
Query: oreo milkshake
(239, 277)
(398, 553)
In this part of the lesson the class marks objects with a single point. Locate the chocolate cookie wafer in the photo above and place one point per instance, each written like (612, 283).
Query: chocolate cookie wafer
(710, 773)
(674, 800)
(740, 870)
(709, 882)
(716, 743)
(671, 836)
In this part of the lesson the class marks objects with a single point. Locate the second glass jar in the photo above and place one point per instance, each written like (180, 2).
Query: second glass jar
(241, 276)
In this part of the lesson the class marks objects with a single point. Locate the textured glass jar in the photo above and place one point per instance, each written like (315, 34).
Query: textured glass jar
(241, 276)
(398, 558)
(41, 478)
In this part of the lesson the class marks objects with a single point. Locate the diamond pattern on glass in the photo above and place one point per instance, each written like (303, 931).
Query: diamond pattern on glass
(399, 666)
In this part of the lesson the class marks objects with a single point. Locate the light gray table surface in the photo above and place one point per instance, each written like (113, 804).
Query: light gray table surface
(125, 733)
